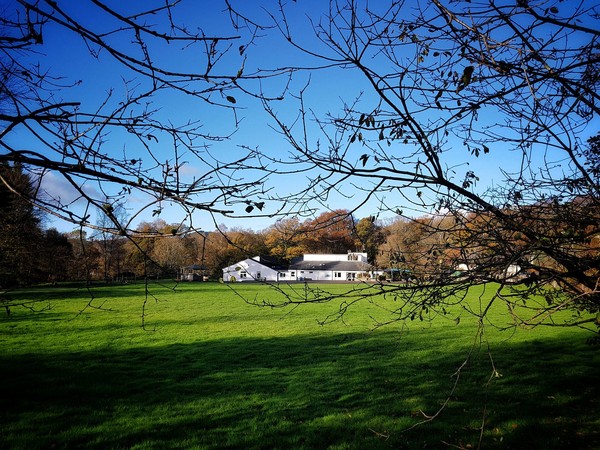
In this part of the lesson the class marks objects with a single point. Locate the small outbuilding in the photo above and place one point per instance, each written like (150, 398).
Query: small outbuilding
(194, 272)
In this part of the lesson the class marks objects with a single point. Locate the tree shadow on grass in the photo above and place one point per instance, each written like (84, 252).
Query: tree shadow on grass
(67, 300)
(343, 391)
(83, 290)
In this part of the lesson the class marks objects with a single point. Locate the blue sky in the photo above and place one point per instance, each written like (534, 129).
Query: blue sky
(65, 54)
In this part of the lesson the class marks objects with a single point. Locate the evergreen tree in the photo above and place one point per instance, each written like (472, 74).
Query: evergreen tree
(20, 232)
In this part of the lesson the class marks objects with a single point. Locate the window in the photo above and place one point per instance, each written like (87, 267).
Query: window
(243, 274)
(281, 274)
(337, 275)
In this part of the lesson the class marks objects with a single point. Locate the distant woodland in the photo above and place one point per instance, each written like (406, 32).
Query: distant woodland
(31, 253)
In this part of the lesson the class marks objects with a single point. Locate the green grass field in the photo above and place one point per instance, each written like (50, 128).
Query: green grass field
(210, 371)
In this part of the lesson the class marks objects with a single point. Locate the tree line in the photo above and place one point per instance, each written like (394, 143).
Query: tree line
(30, 254)
(426, 248)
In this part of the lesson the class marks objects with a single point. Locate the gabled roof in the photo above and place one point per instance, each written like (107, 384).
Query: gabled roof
(267, 261)
(271, 262)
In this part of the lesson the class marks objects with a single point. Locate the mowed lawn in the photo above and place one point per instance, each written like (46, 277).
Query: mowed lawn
(211, 371)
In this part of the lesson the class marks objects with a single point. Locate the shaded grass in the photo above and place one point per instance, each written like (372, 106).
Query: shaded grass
(218, 373)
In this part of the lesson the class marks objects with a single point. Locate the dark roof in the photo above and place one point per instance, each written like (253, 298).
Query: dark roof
(195, 267)
(331, 265)
(271, 262)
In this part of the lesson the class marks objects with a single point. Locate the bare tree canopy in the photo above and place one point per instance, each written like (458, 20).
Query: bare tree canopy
(473, 117)
(474, 120)
(91, 101)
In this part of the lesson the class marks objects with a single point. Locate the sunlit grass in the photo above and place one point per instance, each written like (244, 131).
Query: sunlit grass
(210, 371)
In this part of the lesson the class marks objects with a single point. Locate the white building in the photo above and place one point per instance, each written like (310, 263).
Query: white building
(310, 267)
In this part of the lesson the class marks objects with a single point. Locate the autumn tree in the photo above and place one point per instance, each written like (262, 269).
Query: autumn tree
(157, 249)
(172, 253)
(369, 236)
(398, 252)
(85, 264)
(111, 247)
(228, 246)
(195, 245)
(285, 239)
(330, 232)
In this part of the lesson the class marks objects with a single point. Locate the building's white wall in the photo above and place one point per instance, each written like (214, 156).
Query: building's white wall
(324, 275)
(336, 257)
(314, 275)
(288, 275)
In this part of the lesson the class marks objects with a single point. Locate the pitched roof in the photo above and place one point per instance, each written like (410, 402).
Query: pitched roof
(270, 262)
